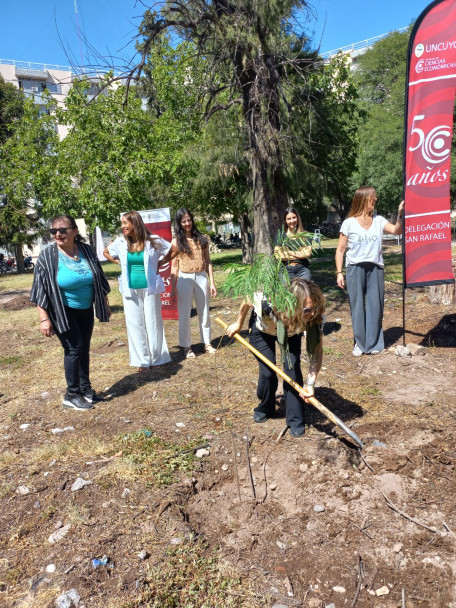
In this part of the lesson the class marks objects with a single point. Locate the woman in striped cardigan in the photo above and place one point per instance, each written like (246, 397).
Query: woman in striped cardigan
(68, 281)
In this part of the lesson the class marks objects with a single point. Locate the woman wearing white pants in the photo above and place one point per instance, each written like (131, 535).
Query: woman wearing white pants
(138, 254)
(189, 277)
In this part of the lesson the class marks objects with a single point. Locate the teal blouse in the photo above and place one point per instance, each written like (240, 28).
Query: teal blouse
(136, 273)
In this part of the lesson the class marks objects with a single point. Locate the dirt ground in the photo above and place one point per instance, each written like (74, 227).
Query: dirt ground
(309, 522)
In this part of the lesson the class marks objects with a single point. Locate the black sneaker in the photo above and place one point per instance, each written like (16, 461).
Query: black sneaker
(75, 402)
(91, 396)
(297, 432)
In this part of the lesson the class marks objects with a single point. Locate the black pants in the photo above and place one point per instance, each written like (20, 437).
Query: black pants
(76, 345)
(267, 380)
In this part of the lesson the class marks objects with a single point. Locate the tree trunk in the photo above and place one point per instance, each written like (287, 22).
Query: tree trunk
(19, 259)
(443, 294)
(262, 119)
(244, 224)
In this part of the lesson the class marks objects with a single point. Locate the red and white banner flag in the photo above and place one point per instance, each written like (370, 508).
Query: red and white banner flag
(158, 221)
(430, 97)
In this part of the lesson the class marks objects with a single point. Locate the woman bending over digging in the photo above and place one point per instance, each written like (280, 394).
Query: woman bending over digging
(267, 326)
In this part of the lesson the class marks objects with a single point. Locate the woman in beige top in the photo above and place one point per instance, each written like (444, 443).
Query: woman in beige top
(189, 278)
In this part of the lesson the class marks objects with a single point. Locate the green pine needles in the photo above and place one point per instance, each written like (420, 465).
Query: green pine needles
(267, 274)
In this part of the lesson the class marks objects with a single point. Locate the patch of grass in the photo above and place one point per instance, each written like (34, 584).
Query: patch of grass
(327, 350)
(156, 459)
(191, 576)
(370, 390)
(15, 360)
(6, 488)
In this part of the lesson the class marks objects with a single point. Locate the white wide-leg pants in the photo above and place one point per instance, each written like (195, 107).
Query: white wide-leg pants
(146, 335)
(191, 285)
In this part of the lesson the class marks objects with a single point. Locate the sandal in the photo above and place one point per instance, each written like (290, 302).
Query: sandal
(210, 349)
(141, 370)
(188, 353)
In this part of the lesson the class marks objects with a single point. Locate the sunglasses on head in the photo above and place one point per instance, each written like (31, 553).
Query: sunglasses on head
(307, 311)
(54, 231)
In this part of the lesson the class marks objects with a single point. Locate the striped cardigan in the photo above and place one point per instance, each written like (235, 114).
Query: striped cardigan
(46, 292)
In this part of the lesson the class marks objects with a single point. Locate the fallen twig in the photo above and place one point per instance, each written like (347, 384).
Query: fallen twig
(403, 597)
(236, 467)
(361, 529)
(450, 532)
(360, 581)
(281, 434)
(249, 467)
(264, 476)
(392, 506)
(365, 462)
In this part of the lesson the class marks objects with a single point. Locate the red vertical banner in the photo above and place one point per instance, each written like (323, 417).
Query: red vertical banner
(158, 221)
(430, 97)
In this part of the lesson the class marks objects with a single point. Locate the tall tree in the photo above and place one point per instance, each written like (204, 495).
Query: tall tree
(27, 175)
(251, 49)
(380, 74)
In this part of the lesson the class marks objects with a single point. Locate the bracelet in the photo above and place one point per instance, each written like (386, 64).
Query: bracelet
(340, 272)
(43, 321)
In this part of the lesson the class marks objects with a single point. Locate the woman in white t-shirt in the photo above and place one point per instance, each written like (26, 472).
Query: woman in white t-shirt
(361, 239)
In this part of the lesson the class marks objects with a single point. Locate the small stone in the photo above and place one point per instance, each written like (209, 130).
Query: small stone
(416, 349)
(343, 474)
(397, 547)
(23, 490)
(273, 486)
(119, 344)
(254, 459)
(176, 541)
(339, 589)
(281, 545)
(279, 605)
(225, 467)
(344, 508)
(331, 605)
(314, 602)
(68, 599)
(402, 351)
(24, 426)
(57, 430)
(45, 394)
(59, 534)
(126, 492)
(50, 568)
(337, 321)
(143, 555)
(180, 425)
(201, 453)
(379, 444)
(303, 467)
(80, 483)
(382, 591)
(319, 509)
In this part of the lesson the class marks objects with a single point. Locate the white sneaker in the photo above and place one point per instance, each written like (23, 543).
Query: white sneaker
(357, 352)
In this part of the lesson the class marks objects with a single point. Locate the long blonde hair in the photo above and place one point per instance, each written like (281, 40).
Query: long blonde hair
(360, 199)
(141, 233)
(302, 290)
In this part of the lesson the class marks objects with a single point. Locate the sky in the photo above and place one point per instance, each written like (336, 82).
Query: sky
(46, 31)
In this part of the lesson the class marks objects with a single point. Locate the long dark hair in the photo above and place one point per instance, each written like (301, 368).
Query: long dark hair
(70, 219)
(181, 239)
(141, 232)
(299, 227)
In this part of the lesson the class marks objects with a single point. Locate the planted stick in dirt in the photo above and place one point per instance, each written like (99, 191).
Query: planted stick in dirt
(320, 407)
